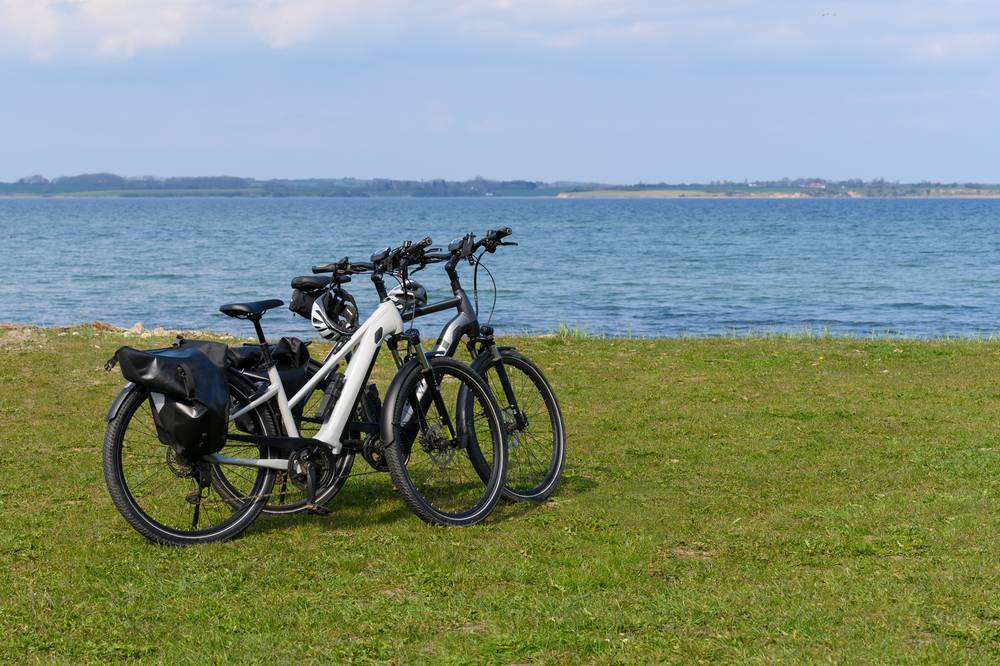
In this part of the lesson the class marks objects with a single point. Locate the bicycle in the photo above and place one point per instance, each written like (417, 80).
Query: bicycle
(426, 444)
(532, 417)
(533, 422)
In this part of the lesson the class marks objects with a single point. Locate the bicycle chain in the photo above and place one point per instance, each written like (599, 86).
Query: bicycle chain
(271, 494)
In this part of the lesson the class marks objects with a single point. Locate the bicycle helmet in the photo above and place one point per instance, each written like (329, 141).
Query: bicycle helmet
(408, 296)
(334, 315)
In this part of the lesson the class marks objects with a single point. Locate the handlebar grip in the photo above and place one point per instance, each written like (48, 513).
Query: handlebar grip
(410, 251)
(324, 268)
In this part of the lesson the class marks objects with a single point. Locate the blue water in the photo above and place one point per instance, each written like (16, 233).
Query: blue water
(639, 267)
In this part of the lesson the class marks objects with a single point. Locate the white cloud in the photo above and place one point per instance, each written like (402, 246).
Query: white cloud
(46, 29)
(31, 27)
(281, 24)
(965, 46)
(924, 30)
(124, 27)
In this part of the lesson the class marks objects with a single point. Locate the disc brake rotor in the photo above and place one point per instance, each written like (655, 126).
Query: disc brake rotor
(437, 445)
(510, 423)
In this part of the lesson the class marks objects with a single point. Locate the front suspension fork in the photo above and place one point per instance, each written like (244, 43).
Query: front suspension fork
(486, 342)
(412, 338)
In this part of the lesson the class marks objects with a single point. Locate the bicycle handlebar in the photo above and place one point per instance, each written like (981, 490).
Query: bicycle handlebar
(398, 258)
(465, 246)
(410, 253)
(343, 267)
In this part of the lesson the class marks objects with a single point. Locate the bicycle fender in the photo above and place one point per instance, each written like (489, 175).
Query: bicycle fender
(485, 357)
(119, 399)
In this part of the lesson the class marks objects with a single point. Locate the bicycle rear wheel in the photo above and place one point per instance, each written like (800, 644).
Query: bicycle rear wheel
(169, 500)
(427, 447)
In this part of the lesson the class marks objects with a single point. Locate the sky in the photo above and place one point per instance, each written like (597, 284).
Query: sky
(585, 90)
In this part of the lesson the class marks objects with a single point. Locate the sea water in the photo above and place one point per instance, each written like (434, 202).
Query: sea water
(641, 267)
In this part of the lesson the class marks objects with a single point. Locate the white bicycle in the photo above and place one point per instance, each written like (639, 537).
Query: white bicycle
(436, 420)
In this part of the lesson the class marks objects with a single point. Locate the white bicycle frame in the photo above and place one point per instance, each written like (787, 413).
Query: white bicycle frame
(384, 322)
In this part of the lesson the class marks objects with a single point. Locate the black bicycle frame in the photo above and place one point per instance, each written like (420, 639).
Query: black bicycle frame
(465, 324)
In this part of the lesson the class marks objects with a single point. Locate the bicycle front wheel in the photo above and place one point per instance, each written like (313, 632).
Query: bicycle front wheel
(536, 439)
(427, 444)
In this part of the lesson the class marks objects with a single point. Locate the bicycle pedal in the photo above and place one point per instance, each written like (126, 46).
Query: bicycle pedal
(317, 510)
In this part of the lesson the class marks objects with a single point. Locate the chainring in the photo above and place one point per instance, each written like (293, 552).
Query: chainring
(319, 457)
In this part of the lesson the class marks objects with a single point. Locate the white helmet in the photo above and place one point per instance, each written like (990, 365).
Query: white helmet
(334, 315)
(408, 296)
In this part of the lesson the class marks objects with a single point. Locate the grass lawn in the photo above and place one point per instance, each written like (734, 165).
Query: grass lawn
(725, 500)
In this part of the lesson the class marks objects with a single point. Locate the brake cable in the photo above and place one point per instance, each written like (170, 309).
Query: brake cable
(475, 286)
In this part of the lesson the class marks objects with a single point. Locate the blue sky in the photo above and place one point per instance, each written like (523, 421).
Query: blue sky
(544, 89)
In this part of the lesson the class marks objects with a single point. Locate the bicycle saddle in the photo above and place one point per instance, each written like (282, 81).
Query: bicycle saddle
(251, 309)
(310, 282)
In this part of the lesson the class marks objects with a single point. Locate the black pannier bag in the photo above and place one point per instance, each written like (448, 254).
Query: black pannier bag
(302, 302)
(288, 354)
(291, 358)
(187, 385)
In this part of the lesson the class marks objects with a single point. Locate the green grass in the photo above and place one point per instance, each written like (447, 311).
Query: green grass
(772, 499)
(569, 333)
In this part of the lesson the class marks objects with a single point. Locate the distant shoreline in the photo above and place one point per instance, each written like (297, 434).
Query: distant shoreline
(801, 196)
(110, 185)
(583, 195)
(14, 330)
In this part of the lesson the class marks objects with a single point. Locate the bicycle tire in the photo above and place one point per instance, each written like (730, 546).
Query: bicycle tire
(536, 460)
(123, 493)
(432, 449)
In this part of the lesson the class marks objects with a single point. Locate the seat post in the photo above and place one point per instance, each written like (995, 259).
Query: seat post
(265, 350)
(256, 325)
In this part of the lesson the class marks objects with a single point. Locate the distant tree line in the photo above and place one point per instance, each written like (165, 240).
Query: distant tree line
(113, 184)
(222, 185)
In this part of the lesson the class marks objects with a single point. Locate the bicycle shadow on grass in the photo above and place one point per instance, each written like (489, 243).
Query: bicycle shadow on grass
(370, 502)
(570, 488)
(361, 503)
